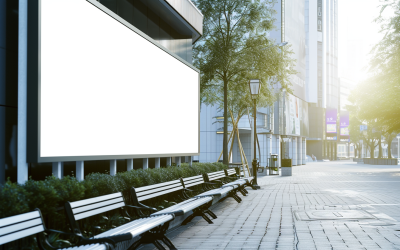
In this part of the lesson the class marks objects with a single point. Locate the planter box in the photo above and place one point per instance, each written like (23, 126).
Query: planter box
(286, 169)
(286, 162)
(376, 161)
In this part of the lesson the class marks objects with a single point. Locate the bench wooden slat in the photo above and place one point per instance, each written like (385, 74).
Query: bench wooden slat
(98, 211)
(97, 205)
(87, 247)
(195, 182)
(216, 173)
(216, 177)
(193, 177)
(150, 191)
(138, 226)
(141, 189)
(142, 198)
(19, 226)
(19, 218)
(94, 200)
(21, 234)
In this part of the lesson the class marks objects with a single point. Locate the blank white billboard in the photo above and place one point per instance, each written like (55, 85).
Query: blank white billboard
(105, 90)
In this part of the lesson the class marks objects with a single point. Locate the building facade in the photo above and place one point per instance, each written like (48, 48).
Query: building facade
(324, 109)
(169, 26)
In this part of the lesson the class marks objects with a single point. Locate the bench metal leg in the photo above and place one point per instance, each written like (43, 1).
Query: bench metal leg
(158, 245)
(168, 243)
(194, 214)
(242, 192)
(210, 213)
(237, 198)
(135, 245)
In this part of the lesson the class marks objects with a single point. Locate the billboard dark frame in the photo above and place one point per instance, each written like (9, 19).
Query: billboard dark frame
(34, 87)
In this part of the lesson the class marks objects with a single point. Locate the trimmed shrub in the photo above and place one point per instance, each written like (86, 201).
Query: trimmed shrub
(50, 195)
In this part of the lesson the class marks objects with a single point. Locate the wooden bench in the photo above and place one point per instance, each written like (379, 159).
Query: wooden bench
(123, 235)
(198, 205)
(20, 226)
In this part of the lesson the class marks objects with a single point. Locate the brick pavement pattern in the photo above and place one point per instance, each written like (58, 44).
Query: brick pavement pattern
(324, 205)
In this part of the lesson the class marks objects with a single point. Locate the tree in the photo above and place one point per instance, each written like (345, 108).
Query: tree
(233, 49)
(355, 134)
(378, 95)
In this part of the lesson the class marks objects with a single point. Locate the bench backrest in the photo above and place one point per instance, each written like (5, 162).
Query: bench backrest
(20, 226)
(192, 181)
(216, 175)
(78, 210)
(230, 172)
(152, 191)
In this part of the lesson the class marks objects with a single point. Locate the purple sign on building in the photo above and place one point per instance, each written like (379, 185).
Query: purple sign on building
(344, 123)
(331, 117)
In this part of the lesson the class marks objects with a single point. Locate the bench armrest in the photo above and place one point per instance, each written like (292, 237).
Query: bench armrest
(143, 208)
(187, 189)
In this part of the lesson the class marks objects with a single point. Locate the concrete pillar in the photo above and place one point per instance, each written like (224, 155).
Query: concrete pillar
(299, 151)
(157, 162)
(294, 151)
(57, 170)
(80, 170)
(168, 161)
(178, 160)
(113, 167)
(278, 150)
(129, 164)
(190, 160)
(22, 165)
(145, 163)
(304, 150)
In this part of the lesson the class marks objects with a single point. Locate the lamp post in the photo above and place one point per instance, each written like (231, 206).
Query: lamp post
(255, 86)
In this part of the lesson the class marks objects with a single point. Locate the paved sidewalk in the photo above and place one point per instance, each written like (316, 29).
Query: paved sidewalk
(324, 205)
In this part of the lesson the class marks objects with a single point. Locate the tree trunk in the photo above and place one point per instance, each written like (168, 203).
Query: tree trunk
(355, 151)
(389, 141)
(225, 140)
(380, 148)
(372, 150)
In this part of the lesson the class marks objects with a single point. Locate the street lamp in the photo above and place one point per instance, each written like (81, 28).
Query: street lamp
(255, 86)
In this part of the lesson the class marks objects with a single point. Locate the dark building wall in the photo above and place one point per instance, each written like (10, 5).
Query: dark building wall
(8, 86)
(139, 15)
(315, 148)
(316, 119)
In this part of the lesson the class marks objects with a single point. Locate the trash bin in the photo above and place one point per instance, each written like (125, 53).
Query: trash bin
(273, 166)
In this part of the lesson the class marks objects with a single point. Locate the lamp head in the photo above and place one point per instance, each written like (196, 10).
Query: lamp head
(255, 87)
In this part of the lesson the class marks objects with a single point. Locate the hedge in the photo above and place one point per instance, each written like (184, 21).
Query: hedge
(52, 193)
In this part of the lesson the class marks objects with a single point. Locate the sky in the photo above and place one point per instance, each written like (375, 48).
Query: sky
(357, 34)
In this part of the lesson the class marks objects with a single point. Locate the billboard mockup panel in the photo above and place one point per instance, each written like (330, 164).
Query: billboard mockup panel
(344, 123)
(107, 91)
(331, 117)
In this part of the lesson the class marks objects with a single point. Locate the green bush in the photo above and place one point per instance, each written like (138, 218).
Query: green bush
(51, 194)
(13, 200)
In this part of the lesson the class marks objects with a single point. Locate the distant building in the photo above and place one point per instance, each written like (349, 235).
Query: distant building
(323, 81)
